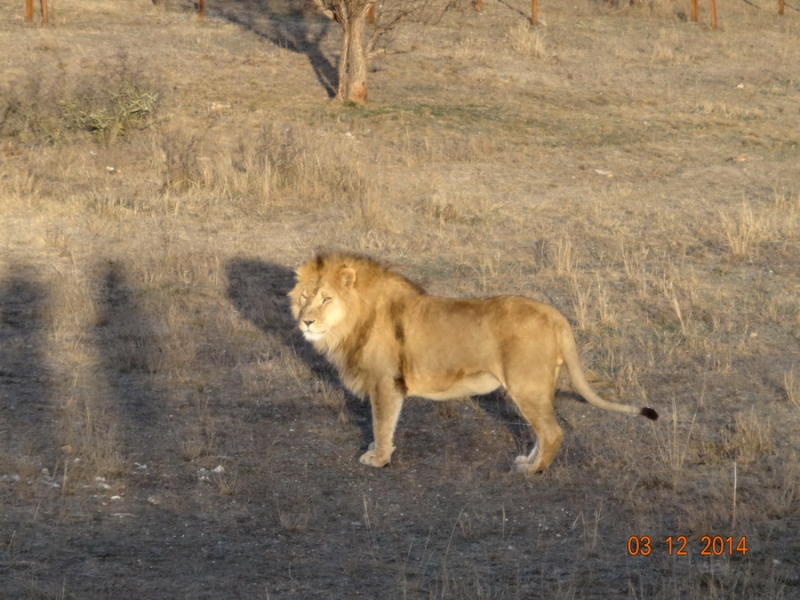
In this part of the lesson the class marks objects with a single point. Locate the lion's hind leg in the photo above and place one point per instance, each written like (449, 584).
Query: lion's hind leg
(535, 401)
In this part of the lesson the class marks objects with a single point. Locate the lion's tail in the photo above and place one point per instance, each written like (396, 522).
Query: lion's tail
(569, 352)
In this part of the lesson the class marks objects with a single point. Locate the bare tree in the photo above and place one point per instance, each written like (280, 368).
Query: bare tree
(357, 50)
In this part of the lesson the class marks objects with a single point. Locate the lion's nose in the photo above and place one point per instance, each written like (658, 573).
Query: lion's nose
(308, 323)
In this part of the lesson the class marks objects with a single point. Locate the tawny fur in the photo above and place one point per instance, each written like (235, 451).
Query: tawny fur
(388, 339)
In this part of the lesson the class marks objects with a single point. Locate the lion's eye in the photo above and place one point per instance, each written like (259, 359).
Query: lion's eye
(326, 299)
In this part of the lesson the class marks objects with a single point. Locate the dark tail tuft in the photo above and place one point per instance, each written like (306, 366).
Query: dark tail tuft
(649, 413)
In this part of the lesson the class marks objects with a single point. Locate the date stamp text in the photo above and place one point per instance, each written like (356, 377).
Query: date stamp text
(643, 545)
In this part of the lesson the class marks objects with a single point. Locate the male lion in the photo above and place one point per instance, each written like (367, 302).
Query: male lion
(389, 339)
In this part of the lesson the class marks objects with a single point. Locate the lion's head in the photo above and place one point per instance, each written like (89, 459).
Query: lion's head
(322, 299)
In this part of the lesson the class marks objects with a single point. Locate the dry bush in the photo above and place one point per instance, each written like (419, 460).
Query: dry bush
(57, 106)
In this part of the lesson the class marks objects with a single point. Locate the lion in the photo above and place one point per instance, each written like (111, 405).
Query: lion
(388, 339)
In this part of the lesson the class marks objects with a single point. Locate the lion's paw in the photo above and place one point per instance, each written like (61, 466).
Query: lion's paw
(371, 458)
(526, 464)
(529, 463)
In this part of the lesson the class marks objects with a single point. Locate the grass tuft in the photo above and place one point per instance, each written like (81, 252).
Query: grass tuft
(743, 234)
(527, 41)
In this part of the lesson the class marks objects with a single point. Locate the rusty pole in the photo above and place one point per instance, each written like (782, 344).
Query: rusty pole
(694, 11)
(780, 6)
(201, 9)
(44, 11)
(534, 12)
(712, 6)
(29, 10)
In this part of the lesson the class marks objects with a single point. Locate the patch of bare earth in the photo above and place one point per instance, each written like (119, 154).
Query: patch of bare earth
(164, 432)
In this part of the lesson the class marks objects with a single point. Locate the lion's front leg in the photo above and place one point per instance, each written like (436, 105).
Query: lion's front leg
(386, 401)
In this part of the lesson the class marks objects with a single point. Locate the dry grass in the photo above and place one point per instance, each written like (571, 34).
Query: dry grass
(527, 41)
(744, 233)
(668, 48)
(154, 201)
(749, 438)
(791, 387)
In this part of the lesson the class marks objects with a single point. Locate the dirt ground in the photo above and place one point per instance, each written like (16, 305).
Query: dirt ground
(166, 433)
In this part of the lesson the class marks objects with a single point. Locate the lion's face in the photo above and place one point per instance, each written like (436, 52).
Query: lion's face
(318, 308)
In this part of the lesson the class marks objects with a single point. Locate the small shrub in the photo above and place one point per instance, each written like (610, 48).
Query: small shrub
(108, 101)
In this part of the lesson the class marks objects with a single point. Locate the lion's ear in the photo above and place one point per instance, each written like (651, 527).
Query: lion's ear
(347, 276)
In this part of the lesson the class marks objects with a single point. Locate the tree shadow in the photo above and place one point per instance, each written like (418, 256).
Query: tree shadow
(287, 25)
(258, 290)
(130, 355)
(25, 395)
(515, 9)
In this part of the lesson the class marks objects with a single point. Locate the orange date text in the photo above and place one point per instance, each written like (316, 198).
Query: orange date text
(717, 545)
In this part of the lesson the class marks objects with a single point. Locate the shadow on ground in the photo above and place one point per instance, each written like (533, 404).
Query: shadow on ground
(25, 398)
(126, 343)
(287, 25)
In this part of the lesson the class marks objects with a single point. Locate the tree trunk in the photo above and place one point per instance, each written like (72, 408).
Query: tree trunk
(353, 62)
